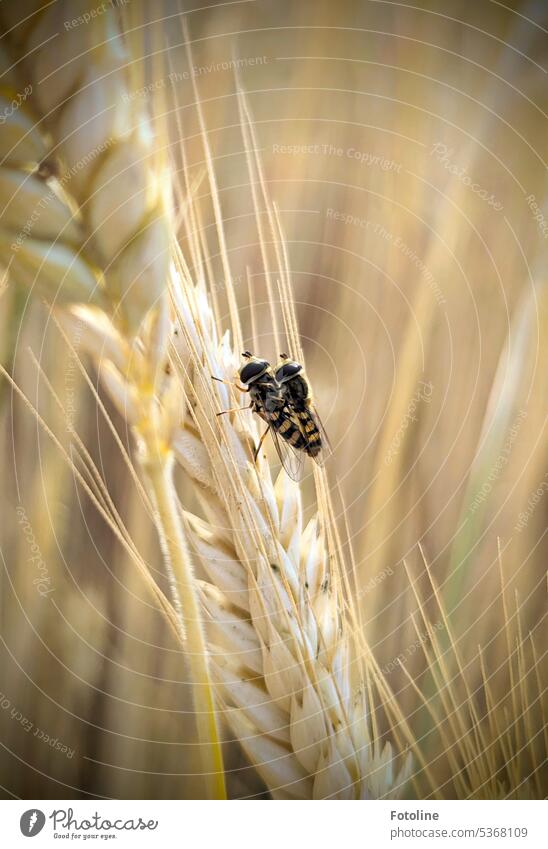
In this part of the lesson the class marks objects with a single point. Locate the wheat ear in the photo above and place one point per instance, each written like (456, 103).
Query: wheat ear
(286, 648)
(282, 647)
(98, 235)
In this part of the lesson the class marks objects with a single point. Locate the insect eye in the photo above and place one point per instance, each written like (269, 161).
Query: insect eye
(251, 371)
(287, 371)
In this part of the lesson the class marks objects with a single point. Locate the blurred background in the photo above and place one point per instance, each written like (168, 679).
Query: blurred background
(404, 147)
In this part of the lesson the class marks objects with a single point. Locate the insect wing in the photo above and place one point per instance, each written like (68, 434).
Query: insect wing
(326, 450)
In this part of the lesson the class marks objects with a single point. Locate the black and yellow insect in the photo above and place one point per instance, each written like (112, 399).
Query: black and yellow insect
(268, 402)
(312, 439)
(285, 406)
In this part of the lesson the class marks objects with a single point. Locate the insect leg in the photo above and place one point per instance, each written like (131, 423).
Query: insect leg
(229, 383)
(235, 410)
(258, 448)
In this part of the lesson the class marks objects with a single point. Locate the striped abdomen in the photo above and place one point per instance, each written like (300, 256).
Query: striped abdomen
(299, 429)
(309, 428)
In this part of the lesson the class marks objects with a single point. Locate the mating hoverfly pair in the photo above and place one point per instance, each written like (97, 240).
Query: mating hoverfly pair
(281, 398)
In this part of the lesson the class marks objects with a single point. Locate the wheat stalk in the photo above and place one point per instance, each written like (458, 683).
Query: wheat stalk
(99, 236)
(285, 651)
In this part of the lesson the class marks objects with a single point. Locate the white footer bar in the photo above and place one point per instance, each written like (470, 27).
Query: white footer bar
(275, 825)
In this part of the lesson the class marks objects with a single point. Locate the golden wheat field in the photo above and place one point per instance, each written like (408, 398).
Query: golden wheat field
(360, 185)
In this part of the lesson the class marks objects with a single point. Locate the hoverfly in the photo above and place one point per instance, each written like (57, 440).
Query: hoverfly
(311, 438)
(268, 401)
